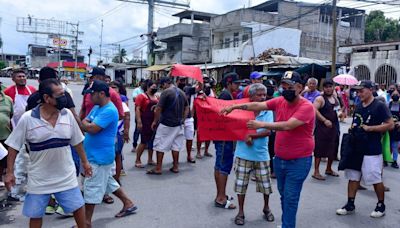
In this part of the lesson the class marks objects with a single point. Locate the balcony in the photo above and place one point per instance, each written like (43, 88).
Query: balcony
(174, 31)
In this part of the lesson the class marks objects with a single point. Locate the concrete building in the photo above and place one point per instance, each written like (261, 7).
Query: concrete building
(303, 29)
(39, 56)
(379, 62)
(186, 42)
(12, 59)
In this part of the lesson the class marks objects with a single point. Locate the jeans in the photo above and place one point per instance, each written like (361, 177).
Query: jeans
(224, 151)
(136, 135)
(395, 149)
(290, 175)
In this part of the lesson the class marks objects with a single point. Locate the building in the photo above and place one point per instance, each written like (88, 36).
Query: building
(187, 42)
(39, 56)
(129, 74)
(379, 62)
(302, 29)
(12, 59)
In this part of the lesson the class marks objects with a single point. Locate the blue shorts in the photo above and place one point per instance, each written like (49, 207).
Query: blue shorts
(119, 144)
(224, 151)
(100, 183)
(35, 204)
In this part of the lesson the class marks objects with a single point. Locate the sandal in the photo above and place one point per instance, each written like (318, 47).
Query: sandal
(318, 177)
(153, 172)
(151, 163)
(208, 155)
(239, 220)
(269, 216)
(199, 156)
(331, 173)
(125, 212)
(108, 199)
(191, 161)
(139, 165)
(227, 205)
(173, 170)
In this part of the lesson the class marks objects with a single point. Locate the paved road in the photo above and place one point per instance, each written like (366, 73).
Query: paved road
(186, 200)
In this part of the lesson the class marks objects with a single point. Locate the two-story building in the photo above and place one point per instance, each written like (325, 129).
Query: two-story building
(186, 42)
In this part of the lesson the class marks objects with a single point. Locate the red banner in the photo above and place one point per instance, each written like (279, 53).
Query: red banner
(179, 70)
(213, 126)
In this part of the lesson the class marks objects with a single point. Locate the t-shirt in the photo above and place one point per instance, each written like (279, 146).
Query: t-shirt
(100, 147)
(311, 96)
(136, 92)
(51, 168)
(34, 100)
(298, 142)
(173, 103)
(259, 150)
(115, 99)
(10, 91)
(225, 95)
(6, 111)
(122, 122)
(142, 101)
(374, 114)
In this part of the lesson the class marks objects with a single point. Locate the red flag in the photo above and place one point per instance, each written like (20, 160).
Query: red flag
(194, 72)
(213, 126)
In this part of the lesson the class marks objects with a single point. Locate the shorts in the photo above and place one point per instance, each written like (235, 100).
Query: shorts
(35, 204)
(189, 128)
(244, 168)
(119, 144)
(224, 151)
(371, 170)
(100, 183)
(3, 162)
(168, 138)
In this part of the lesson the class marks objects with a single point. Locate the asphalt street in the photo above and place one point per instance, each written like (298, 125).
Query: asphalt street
(185, 200)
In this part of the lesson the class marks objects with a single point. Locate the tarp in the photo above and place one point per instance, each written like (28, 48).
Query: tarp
(157, 67)
(194, 72)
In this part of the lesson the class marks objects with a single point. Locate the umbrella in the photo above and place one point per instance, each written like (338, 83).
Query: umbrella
(345, 79)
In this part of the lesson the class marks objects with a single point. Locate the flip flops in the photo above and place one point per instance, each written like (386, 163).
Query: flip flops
(227, 205)
(331, 173)
(153, 172)
(126, 212)
(239, 220)
(318, 177)
(174, 171)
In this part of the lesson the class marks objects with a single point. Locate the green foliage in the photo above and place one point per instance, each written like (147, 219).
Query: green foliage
(2, 65)
(120, 57)
(380, 28)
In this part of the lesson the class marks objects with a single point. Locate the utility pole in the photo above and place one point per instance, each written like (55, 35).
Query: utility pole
(89, 54)
(76, 50)
(59, 54)
(101, 37)
(150, 20)
(334, 44)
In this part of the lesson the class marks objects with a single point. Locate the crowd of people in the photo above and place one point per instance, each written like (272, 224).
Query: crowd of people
(67, 162)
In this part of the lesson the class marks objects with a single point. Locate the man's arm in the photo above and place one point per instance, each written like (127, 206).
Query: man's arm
(291, 124)
(385, 126)
(319, 103)
(76, 117)
(253, 106)
(85, 163)
(10, 178)
(89, 127)
(157, 114)
(261, 134)
(127, 124)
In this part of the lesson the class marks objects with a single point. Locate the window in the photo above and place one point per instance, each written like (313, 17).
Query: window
(236, 39)
(245, 38)
(227, 43)
(221, 43)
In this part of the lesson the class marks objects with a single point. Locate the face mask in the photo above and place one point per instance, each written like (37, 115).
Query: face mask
(153, 91)
(395, 98)
(289, 95)
(270, 91)
(390, 92)
(61, 102)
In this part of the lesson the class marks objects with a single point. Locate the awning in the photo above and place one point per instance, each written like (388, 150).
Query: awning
(157, 67)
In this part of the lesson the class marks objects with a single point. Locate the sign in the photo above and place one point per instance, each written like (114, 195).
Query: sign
(60, 42)
(179, 70)
(212, 125)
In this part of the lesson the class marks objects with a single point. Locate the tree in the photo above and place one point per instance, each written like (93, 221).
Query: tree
(380, 28)
(2, 65)
(120, 57)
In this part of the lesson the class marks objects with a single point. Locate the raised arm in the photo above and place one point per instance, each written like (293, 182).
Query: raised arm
(252, 106)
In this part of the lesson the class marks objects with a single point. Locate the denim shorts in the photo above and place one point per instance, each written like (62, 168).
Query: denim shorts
(35, 204)
(100, 183)
(224, 151)
(119, 144)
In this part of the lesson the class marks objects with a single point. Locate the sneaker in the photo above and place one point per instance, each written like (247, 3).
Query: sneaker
(123, 173)
(395, 165)
(385, 164)
(346, 210)
(50, 210)
(61, 212)
(379, 211)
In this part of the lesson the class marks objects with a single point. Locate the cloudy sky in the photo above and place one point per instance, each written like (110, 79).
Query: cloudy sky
(121, 20)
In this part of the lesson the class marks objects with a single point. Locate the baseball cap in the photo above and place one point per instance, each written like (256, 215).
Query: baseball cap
(97, 71)
(292, 77)
(98, 86)
(328, 82)
(231, 78)
(364, 84)
(270, 83)
(165, 80)
(256, 75)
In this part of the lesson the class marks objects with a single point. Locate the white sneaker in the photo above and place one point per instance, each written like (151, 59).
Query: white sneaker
(377, 214)
(346, 210)
(61, 212)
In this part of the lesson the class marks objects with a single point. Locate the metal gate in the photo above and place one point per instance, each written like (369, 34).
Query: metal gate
(386, 74)
(362, 72)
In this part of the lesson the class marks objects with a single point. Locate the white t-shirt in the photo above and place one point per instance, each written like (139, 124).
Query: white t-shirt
(121, 122)
(51, 168)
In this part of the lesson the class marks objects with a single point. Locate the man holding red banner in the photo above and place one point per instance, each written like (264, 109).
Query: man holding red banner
(224, 149)
(294, 144)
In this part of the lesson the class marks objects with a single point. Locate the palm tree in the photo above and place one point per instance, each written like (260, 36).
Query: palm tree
(120, 57)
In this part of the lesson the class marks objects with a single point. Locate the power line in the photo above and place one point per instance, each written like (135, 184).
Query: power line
(107, 13)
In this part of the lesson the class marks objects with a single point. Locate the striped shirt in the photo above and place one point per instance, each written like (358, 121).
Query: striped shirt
(51, 168)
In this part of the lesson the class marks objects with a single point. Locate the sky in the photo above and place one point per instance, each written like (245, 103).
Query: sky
(121, 20)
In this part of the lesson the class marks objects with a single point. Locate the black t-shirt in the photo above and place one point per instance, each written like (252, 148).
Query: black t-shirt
(173, 103)
(225, 95)
(34, 100)
(374, 114)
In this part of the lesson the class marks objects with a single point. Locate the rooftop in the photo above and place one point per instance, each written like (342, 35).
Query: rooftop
(199, 16)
